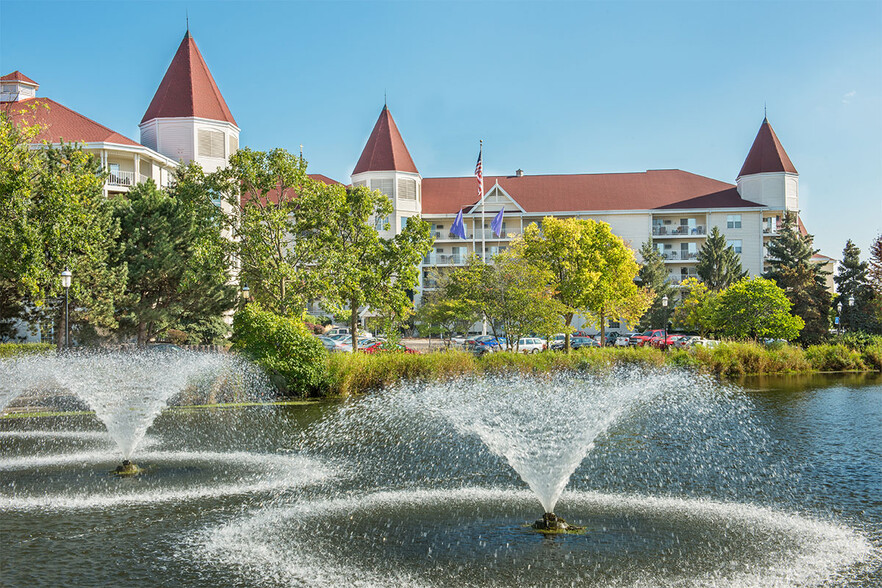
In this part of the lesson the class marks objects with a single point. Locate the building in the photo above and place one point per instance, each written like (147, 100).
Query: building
(674, 207)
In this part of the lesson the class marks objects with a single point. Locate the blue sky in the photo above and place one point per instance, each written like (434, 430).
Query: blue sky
(551, 87)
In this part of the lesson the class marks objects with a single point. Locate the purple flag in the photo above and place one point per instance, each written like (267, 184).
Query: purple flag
(458, 228)
(496, 225)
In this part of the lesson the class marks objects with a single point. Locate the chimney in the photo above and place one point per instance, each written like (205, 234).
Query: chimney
(519, 173)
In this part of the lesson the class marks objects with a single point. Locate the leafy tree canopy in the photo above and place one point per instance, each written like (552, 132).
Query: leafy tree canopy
(755, 308)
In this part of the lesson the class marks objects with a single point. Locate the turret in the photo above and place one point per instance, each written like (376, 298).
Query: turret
(768, 176)
(188, 119)
(16, 87)
(386, 165)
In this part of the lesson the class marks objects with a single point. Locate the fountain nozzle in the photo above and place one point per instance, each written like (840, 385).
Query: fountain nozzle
(551, 523)
(127, 469)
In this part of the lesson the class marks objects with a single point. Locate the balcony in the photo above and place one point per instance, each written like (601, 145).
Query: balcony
(125, 179)
(680, 255)
(442, 259)
(676, 280)
(679, 231)
(770, 229)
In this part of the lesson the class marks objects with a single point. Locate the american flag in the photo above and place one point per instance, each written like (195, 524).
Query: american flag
(479, 172)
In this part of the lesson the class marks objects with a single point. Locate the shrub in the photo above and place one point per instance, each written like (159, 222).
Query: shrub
(355, 373)
(834, 358)
(177, 336)
(295, 360)
(14, 349)
(872, 356)
(738, 359)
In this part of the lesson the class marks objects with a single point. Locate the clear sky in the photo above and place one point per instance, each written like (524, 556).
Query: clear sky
(551, 87)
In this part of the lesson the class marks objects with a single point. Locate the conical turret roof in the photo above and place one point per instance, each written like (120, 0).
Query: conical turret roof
(766, 154)
(188, 89)
(385, 149)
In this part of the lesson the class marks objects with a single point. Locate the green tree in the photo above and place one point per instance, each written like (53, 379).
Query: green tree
(355, 266)
(792, 268)
(267, 191)
(177, 267)
(697, 310)
(654, 276)
(55, 216)
(513, 294)
(755, 308)
(852, 282)
(593, 269)
(718, 264)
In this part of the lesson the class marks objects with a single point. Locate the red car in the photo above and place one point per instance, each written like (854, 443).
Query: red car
(383, 346)
(659, 341)
(643, 338)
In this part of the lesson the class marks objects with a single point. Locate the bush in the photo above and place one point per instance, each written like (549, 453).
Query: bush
(834, 358)
(295, 360)
(872, 356)
(355, 373)
(738, 359)
(858, 340)
(15, 349)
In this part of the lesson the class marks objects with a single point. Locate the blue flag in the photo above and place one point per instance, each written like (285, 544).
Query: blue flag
(458, 228)
(496, 225)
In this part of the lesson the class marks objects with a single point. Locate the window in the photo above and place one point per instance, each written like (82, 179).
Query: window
(404, 222)
(407, 189)
(360, 184)
(234, 144)
(614, 324)
(211, 143)
(735, 244)
(382, 223)
(385, 186)
(733, 221)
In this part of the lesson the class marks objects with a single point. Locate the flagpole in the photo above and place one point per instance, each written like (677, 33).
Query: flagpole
(483, 205)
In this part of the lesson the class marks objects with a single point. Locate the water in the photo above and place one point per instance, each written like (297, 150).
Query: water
(683, 482)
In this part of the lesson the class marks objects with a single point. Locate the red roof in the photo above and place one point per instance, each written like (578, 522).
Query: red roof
(324, 179)
(188, 89)
(19, 77)
(273, 195)
(59, 123)
(766, 154)
(385, 149)
(654, 189)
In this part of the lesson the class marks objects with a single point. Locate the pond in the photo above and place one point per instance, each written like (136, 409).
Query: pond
(768, 481)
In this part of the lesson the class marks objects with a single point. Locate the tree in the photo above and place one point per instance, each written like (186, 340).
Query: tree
(515, 296)
(176, 258)
(792, 268)
(718, 264)
(755, 308)
(852, 283)
(593, 269)
(353, 266)
(55, 217)
(697, 310)
(266, 191)
(442, 314)
(874, 279)
(654, 276)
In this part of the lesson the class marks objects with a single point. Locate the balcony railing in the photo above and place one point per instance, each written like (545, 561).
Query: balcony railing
(770, 229)
(679, 231)
(441, 259)
(679, 279)
(124, 178)
(680, 255)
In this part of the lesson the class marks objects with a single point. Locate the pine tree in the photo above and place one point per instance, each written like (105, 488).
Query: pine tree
(854, 290)
(792, 268)
(874, 278)
(654, 275)
(718, 265)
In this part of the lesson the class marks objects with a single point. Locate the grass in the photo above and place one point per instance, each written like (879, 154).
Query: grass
(182, 408)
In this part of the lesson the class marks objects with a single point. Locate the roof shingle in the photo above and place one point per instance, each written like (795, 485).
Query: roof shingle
(58, 122)
(385, 149)
(766, 154)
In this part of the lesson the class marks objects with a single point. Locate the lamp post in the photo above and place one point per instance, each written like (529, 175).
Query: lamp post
(65, 283)
(665, 306)
(839, 312)
(246, 294)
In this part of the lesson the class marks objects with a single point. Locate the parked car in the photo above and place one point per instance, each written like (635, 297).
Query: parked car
(579, 342)
(687, 341)
(386, 346)
(640, 339)
(333, 345)
(663, 340)
(611, 338)
(531, 345)
(623, 341)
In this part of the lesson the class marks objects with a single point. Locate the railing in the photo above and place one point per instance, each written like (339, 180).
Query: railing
(489, 235)
(679, 255)
(121, 178)
(679, 230)
(679, 279)
(770, 230)
(441, 259)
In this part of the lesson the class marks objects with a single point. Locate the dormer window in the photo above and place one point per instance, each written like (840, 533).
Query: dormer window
(16, 86)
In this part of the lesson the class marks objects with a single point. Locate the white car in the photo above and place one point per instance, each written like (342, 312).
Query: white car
(531, 345)
(623, 341)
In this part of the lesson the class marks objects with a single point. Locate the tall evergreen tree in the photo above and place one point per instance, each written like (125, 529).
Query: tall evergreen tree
(852, 283)
(175, 273)
(654, 275)
(874, 278)
(718, 265)
(792, 268)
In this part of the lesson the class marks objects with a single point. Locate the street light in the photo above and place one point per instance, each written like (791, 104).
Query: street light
(246, 294)
(839, 317)
(65, 283)
(665, 306)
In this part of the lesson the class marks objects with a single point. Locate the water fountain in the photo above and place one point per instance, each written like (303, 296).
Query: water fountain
(675, 478)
